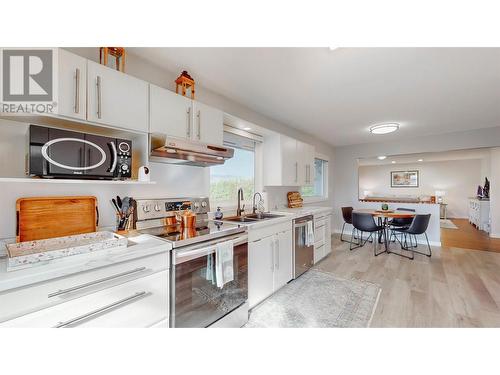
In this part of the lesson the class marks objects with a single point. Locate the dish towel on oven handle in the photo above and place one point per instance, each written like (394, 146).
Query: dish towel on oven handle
(224, 271)
(310, 233)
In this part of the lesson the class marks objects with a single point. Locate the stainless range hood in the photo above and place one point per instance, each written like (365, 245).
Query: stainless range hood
(171, 150)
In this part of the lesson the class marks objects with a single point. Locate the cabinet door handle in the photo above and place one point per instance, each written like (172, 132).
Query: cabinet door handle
(277, 254)
(98, 84)
(188, 123)
(101, 310)
(296, 172)
(272, 255)
(307, 174)
(98, 281)
(199, 124)
(77, 90)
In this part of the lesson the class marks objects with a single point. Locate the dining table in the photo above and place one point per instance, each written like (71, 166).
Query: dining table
(383, 217)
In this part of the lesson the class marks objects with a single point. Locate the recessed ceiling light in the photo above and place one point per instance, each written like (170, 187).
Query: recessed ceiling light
(247, 128)
(381, 157)
(420, 159)
(384, 128)
(393, 162)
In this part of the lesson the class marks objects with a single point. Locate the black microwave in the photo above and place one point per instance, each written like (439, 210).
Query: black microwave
(57, 153)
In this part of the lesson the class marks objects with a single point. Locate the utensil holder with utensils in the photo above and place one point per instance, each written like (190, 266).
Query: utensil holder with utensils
(124, 208)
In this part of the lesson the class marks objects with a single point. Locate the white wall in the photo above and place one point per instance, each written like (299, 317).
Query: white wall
(173, 181)
(346, 159)
(458, 178)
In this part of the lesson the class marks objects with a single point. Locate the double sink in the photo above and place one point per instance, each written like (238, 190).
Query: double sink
(252, 218)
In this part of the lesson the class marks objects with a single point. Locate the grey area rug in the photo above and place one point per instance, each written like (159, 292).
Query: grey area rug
(318, 300)
(448, 224)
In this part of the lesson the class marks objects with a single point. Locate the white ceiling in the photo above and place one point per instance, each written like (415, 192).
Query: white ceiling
(473, 153)
(338, 94)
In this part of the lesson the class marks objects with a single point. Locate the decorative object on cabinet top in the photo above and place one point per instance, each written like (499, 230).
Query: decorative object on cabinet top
(186, 82)
(486, 188)
(118, 53)
(294, 199)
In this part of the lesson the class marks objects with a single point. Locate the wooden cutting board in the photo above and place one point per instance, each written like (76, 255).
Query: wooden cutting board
(294, 199)
(39, 218)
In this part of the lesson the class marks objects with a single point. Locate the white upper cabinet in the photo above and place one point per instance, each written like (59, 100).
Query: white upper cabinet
(306, 163)
(179, 116)
(208, 124)
(288, 162)
(72, 85)
(116, 99)
(170, 113)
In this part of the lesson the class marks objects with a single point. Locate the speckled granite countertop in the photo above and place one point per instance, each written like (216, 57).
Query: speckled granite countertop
(140, 245)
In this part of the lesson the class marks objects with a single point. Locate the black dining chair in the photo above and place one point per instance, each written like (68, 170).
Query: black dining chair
(347, 215)
(418, 226)
(402, 223)
(364, 222)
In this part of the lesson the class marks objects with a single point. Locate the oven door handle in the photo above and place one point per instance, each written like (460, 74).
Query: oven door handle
(199, 252)
(302, 225)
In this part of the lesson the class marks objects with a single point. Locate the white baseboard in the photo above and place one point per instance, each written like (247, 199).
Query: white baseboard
(421, 241)
(495, 235)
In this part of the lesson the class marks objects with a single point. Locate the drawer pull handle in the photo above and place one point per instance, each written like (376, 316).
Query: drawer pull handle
(81, 286)
(101, 310)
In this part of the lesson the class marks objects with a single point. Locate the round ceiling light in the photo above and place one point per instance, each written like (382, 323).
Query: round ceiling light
(384, 128)
(381, 157)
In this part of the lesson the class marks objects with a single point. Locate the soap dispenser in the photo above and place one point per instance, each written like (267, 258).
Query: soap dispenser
(218, 214)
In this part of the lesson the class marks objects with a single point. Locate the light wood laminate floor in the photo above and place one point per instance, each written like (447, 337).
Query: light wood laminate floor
(453, 288)
(468, 237)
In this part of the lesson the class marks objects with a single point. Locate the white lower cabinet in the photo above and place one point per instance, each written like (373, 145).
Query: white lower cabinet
(328, 235)
(260, 270)
(322, 236)
(283, 260)
(139, 303)
(45, 294)
(269, 262)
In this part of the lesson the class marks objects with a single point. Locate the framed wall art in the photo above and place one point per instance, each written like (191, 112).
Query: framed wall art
(404, 179)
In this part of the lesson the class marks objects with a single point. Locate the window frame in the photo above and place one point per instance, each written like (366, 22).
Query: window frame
(227, 206)
(325, 196)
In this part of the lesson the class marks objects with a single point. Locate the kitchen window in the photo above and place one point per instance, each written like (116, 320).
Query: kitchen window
(239, 171)
(319, 191)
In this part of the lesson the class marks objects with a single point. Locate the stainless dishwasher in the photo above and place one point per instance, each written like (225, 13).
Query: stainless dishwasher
(303, 247)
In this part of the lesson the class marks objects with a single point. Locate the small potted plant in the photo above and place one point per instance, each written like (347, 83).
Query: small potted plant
(385, 207)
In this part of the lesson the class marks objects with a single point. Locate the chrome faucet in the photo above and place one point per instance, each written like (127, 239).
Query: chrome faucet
(239, 210)
(254, 206)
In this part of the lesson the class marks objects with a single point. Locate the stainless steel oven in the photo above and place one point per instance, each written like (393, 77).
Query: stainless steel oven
(303, 247)
(195, 300)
